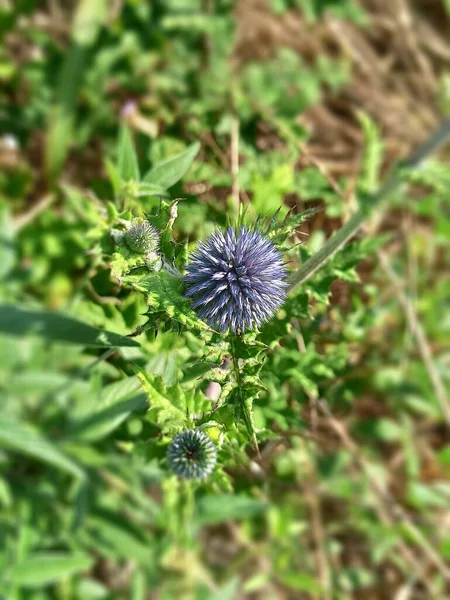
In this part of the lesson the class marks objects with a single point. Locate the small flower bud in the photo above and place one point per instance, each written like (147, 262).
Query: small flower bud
(142, 237)
(192, 454)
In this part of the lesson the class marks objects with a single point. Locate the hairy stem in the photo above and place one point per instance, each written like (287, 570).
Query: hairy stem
(187, 508)
(247, 418)
(349, 229)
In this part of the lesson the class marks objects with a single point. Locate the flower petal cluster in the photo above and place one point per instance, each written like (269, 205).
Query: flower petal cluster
(142, 237)
(192, 454)
(236, 280)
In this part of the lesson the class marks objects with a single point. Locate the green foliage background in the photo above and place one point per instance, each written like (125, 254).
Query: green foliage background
(332, 434)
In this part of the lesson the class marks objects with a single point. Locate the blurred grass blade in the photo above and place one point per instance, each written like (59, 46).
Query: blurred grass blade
(80, 505)
(7, 251)
(167, 173)
(373, 154)
(56, 327)
(121, 541)
(45, 568)
(138, 586)
(226, 507)
(149, 189)
(113, 174)
(88, 20)
(21, 438)
(102, 423)
(228, 591)
(128, 168)
(115, 404)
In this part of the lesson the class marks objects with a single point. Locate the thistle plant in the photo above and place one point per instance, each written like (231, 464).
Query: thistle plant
(236, 280)
(192, 454)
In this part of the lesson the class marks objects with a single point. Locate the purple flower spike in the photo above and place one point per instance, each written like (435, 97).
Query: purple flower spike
(236, 280)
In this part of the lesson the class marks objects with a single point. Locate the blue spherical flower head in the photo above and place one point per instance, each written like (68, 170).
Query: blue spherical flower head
(192, 454)
(237, 280)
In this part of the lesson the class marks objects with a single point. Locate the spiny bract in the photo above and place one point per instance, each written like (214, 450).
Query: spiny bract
(192, 454)
(142, 237)
(236, 280)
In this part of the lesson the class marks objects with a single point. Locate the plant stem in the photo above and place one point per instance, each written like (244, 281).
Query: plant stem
(240, 384)
(234, 359)
(349, 229)
(187, 512)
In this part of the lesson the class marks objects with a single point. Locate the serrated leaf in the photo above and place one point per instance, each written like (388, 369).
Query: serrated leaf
(170, 406)
(127, 162)
(44, 568)
(241, 398)
(55, 327)
(164, 220)
(167, 406)
(246, 346)
(197, 369)
(165, 298)
(124, 262)
(169, 172)
(279, 231)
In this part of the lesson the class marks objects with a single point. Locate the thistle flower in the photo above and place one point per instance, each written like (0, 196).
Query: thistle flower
(192, 454)
(142, 237)
(236, 280)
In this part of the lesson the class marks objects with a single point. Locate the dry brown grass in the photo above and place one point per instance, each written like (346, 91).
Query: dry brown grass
(396, 61)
